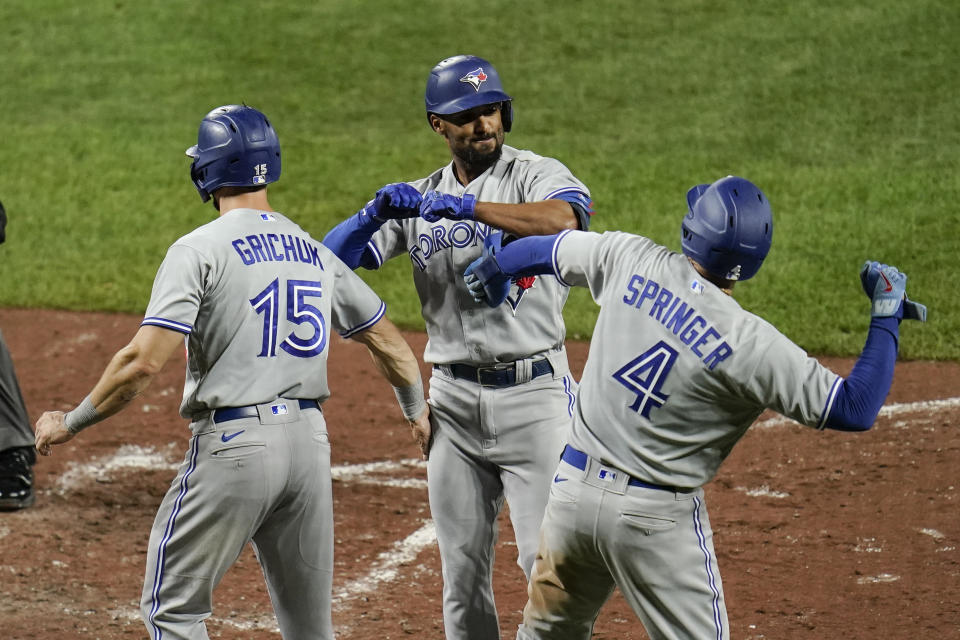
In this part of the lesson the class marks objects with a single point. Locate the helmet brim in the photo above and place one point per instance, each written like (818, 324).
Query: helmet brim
(466, 103)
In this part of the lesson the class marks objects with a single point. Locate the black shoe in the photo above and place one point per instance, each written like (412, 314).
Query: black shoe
(16, 478)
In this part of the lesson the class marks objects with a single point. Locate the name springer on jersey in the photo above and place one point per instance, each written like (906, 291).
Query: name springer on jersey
(679, 317)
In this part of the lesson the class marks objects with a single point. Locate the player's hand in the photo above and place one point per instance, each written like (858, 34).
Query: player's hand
(51, 430)
(886, 287)
(395, 201)
(436, 205)
(422, 432)
(484, 278)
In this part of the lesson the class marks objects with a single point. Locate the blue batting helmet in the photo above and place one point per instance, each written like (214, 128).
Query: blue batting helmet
(236, 147)
(463, 82)
(728, 227)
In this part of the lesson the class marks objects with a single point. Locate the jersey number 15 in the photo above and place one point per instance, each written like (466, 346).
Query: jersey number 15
(299, 311)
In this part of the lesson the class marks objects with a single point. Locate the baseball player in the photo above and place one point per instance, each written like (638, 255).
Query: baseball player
(17, 455)
(676, 373)
(501, 392)
(255, 298)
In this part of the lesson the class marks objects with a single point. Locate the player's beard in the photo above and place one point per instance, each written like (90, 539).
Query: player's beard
(479, 161)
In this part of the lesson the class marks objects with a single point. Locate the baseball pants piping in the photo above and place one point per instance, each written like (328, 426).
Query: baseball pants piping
(245, 481)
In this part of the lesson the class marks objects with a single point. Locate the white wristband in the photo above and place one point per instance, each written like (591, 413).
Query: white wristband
(411, 399)
(81, 417)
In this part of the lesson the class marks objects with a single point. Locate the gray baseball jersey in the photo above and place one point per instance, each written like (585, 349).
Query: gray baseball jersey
(490, 442)
(257, 296)
(677, 370)
(676, 373)
(459, 329)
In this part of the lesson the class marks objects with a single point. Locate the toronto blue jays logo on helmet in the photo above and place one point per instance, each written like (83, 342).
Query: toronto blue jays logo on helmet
(476, 78)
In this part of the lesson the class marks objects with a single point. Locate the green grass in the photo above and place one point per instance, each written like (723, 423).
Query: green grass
(844, 112)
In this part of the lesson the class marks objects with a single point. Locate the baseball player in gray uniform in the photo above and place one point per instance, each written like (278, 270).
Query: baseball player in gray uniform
(255, 299)
(501, 394)
(677, 372)
(17, 455)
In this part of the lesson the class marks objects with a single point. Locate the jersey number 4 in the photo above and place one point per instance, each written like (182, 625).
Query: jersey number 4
(645, 375)
(299, 311)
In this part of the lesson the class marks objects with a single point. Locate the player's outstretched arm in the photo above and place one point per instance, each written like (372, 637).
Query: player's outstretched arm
(488, 277)
(862, 394)
(129, 372)
(396, 361)
(348, 240)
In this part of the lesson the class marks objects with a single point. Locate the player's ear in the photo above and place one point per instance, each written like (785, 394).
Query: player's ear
(438, 124)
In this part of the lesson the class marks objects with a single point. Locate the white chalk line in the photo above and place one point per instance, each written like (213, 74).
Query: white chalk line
(387, 565)
(888, 411)
(763, 491)
(366, 473)
(126, 457)
(878, 579)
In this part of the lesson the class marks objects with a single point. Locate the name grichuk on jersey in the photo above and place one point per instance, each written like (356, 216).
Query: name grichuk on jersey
(256, 297)
(459, 329)
(677, 369)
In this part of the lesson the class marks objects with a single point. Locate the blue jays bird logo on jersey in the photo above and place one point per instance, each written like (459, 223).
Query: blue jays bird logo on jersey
(523, 284)
(476, 78)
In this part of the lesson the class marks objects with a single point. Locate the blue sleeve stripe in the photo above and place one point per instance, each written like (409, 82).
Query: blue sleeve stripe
(553, 194)
(375, 252)
(369, 323)
(553, 257)
(167, 324)
(831, 397)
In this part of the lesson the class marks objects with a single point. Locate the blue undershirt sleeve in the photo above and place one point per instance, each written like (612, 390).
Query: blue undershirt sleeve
(348, 240)
(528, 256)
(863, 392)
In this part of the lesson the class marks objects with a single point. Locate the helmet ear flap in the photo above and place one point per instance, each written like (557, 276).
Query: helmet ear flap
(197, 176)
(506, 114)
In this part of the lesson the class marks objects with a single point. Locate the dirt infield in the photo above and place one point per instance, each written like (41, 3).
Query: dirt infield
(819, 535)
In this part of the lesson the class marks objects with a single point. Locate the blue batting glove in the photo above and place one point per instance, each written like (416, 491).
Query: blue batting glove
(436, 205)
(914, 310)
(886, 288)
(396, 201)
(484, 279)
